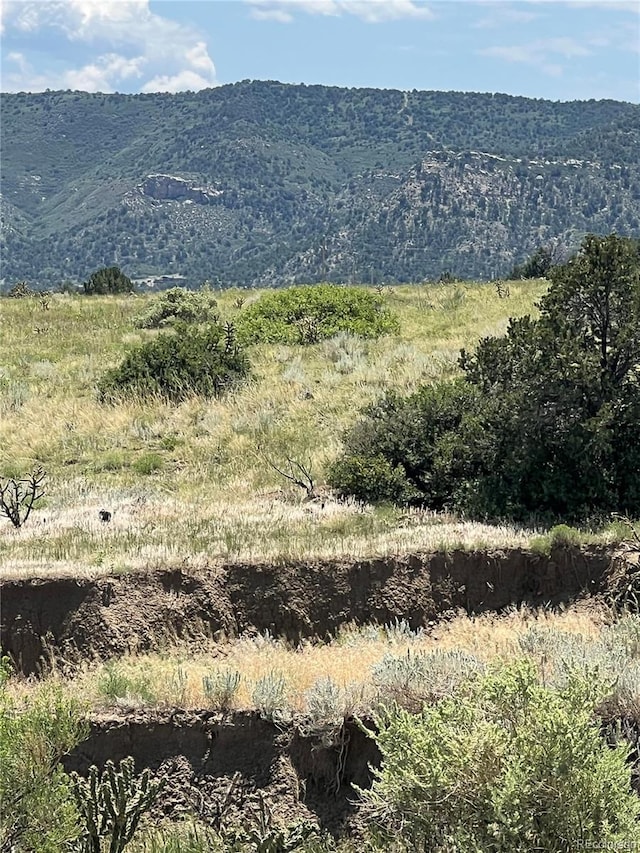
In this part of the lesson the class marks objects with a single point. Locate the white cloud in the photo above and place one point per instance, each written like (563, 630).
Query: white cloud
(372, 11)
(542, 53)
(501, 14)
(131, 42)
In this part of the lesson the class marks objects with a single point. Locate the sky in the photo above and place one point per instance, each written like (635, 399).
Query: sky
(555, 49)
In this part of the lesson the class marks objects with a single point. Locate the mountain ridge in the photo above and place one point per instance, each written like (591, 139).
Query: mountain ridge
(306, 183)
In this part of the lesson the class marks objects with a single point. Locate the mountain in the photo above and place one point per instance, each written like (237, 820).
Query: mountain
(267, 183)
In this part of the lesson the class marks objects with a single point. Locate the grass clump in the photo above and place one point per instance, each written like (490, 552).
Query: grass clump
(221, 688)
(205, 361)
(560, 536)
(148, 463)
(308, 314)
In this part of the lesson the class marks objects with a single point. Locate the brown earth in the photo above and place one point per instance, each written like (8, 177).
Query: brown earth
(71, 619)
(223, 767)
(218, 767)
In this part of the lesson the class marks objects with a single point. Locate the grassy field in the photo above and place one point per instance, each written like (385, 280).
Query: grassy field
(191, 483)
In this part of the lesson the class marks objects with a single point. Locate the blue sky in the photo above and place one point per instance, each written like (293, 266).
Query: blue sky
(576, 49)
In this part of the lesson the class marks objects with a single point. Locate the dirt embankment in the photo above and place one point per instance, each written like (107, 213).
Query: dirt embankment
(73, 618)
(218, 766)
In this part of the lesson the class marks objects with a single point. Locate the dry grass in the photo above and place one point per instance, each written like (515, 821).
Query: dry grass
(174, 678)
(187, 481)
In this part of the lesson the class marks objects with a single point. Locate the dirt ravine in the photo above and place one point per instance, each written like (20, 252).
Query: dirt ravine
(208, 759)
(73, 619)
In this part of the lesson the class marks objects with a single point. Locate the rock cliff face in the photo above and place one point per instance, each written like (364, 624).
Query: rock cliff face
(170, 188)
(263, 183)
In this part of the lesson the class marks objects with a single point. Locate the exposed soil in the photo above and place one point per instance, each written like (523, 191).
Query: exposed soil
(218, 766)
(73, 619)
(221, 767)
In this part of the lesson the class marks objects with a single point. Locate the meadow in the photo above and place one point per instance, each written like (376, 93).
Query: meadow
(194, 482)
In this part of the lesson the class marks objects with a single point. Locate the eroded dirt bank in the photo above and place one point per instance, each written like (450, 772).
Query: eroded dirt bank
(218, 766)
(76, 618)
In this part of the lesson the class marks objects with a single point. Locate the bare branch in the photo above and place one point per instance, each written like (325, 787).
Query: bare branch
(18, 496)
(296, 473)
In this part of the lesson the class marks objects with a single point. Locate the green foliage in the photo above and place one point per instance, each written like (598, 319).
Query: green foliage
(221, 687)
(179, 305)
(417, 449)
(537, 265)
(37, 812)
(305, 172)
(148, 463)
(560, 536)
(305, 315)
(111, 804)
(115, 684)
(193, 360)
(515, 766)
(546, 420)
(108, 280)
(371, 478)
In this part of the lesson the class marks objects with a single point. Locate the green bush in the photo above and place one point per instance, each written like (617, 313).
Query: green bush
(369, 478)
(417, 449)
(194, 360)
(108, 280)
(179, 305)
(545, 422)
(310, 313)
(37, 812)
(513, 767)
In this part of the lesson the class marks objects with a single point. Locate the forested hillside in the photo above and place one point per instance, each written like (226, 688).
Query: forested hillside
(266, 183)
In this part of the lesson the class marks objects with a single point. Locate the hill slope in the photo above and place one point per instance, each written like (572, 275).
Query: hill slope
(261, 182)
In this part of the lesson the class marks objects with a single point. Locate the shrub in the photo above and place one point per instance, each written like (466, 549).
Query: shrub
(310, 313)
(417, 449)
(108, 280)
(515, 766)
(412, 679)
(370, 478)
(221, 687)
(194, 360)
(36, 805)
(545, 421)
(269, 694)
(18, 496)
(179, 305)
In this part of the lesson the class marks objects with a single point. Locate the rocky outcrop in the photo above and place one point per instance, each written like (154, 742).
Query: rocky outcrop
(171, 188)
